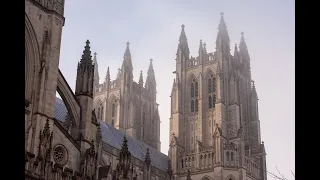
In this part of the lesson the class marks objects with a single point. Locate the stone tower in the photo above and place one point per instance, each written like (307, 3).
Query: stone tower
(43, 27)
(214, 123)
(128, 105)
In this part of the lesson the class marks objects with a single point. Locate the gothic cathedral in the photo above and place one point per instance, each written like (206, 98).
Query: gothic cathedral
(129, 106)
(111, 131)
(214, 123)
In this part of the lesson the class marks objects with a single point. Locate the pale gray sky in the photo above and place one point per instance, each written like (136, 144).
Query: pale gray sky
(153, 29)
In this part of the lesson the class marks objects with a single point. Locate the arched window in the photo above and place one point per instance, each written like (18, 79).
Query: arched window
(196, 105)
(192, 90)
(101, 114)
(194, 96)
(192, 106)
(211, 91)
(227, 156)
(231, 156)
(113, 110)
(113, 113)
(99, 111)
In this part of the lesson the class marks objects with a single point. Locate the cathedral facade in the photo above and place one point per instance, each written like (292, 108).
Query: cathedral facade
(66, 138)
(214, 123)
(110, 131)
(126, 105)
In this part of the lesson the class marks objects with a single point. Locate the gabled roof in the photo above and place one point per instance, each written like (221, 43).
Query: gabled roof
(114, 138)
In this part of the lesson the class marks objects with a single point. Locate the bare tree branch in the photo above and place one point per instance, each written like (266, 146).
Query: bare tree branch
(281, 174)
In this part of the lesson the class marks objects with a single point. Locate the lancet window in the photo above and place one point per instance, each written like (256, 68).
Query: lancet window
(211, 91)
(194, 96)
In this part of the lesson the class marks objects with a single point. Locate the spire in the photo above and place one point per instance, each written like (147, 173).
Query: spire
(223, 41)
(85, 70)
(183, 43)
(147, 159)
(119, 73)
(127, 57)
(124, 152)
(205, 48)
(96, 72)
(151, 80)
(150, 69)
(124, 147)
(124, 158)
(127, 52)
(200, 47)
(243, 48)
(254, 89)
(95, 58)
(86, 56)
(236, 52)
(188, 175)
(141, 78)
(222, 25)
(174, 84)
(242, 45)
(108, 75)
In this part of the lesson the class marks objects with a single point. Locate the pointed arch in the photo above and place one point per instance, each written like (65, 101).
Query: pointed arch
(191, 77)
(211, 84)
(230, 177)
(206, 178)
(32, 58)
(208, 71)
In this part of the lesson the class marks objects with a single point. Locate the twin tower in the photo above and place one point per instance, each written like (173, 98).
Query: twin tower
(127, 105)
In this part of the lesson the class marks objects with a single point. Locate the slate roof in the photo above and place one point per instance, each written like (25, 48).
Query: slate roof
(114, 138)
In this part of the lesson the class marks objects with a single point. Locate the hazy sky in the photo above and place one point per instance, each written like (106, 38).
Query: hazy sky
(153, 29)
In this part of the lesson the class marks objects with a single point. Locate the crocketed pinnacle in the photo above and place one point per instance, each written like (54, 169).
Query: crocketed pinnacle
(254, 89)
(141, 78)
(108, 74)
(205, 48)
(242, 45)
(147, 159)
(150, 69)
(95, 58)
(124, 147)
(86, 56)
(222, 25)
(127, 52)
(200, 47)
(222, 41)
(183, 43)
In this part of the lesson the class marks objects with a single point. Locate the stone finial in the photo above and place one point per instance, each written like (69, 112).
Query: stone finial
(221, 13)
(127, 52)
(86, 56)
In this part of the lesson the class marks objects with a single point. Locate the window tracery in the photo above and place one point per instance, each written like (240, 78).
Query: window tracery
(113, 112)
(194, 96)
(60, 155)
(211, 91)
